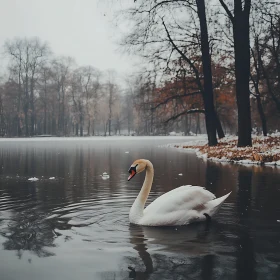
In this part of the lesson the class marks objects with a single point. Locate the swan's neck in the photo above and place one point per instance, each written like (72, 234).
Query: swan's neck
(136, 211)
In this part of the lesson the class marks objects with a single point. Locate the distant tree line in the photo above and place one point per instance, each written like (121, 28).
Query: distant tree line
(41, 94)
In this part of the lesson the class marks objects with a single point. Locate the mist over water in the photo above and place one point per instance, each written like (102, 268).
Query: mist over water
(75, 225)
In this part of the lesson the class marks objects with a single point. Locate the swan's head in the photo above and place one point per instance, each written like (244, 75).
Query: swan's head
(137, 166)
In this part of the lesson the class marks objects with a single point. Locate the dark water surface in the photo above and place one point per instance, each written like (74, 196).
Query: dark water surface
(76, 225)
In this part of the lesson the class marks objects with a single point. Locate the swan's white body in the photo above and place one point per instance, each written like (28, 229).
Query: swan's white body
(180, 206)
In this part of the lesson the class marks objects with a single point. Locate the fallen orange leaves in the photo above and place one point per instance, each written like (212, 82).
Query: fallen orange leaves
(264, 149)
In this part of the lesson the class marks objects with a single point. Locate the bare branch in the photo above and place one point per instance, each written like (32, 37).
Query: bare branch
(229, 13)
(191, 111)
(177, 96)
(184, 57)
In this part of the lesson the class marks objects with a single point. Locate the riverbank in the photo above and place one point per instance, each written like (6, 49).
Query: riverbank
(265, 150)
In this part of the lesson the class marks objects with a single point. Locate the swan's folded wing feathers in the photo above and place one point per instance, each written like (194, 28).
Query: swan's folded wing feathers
(182, 198)
(164, 219)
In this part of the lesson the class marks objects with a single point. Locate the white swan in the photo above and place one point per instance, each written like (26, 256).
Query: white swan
(180, 206)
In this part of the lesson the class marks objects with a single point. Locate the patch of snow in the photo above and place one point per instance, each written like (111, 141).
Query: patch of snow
(52, 178)
(245, 161)
(180, 174)
(33, 179)
(265, 150)
(105, 176)
(270, 163)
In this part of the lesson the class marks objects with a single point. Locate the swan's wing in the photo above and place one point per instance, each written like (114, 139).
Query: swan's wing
(183, 198)
(177, 207)
(181, 206)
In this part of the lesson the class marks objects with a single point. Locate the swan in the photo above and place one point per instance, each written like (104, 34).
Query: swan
(181, 206)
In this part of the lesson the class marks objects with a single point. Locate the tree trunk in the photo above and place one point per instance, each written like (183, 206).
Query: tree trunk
(81, 119)
(198, 130)
(81, 125)
(26, 120)
(258, 65)
(269, 86)
(19, 106)
(262, 115)
(62, 115)
(32, 107)
(105, 128)
(88, 128)
(45, 104)
(77, 129)
(242, 74)
(26, 107)
(241, 36)
(45, 118)
(128, 123)
(152, 123)
(109, 124)
(110, 107)
(219, 127)
(210, 115)
(187, 128)
(93, 127)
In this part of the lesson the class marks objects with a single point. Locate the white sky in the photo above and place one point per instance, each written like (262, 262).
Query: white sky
(82, 29)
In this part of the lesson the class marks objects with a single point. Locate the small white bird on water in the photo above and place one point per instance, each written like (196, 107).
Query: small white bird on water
(181, 206)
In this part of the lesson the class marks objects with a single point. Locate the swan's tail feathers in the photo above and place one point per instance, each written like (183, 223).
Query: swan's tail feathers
(214, 205)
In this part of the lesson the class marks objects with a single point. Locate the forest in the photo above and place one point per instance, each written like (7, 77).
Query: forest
(207, 67)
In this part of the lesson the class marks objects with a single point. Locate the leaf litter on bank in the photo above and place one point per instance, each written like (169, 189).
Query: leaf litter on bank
(265, 150)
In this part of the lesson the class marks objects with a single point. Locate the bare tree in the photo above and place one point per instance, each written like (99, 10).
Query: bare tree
(111, 91)
(241, 34)
(163, 35)
(26, 57)
(61, 72)
(44, 88)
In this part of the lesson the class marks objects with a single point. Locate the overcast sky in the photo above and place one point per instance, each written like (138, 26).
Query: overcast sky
(82, 29)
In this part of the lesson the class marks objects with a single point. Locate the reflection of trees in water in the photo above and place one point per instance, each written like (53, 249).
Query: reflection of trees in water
(207, 264)
(245, 263)
(212, 176)
(28, 231)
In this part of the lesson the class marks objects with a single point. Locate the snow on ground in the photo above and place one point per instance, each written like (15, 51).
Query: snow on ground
(265, 150)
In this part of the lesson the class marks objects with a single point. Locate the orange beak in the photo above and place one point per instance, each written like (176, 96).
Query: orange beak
(132, 173)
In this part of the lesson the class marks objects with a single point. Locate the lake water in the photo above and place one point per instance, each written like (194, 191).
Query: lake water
(76, 226)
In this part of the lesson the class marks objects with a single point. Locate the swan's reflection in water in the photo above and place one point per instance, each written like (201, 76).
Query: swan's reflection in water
(189, 252)
(138, 240)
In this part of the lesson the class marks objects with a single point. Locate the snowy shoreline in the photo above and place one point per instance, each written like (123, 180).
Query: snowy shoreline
(265, 150)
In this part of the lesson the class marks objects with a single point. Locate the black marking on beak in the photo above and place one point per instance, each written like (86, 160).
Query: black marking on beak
(132, 172)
